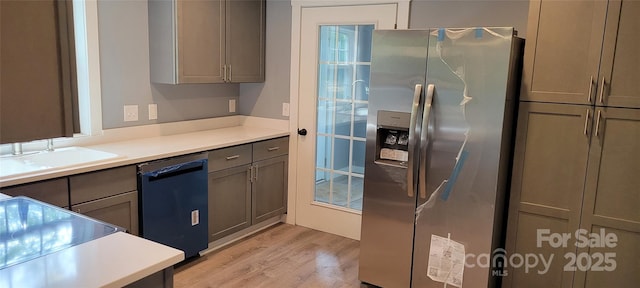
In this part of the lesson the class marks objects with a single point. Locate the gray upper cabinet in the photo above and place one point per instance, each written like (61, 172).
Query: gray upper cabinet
(206, 41)
(583, 52)
(245, 40)
(620, 67)
(37, 70)
(562, 51)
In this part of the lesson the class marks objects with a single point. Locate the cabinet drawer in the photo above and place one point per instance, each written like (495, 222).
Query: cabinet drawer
(120, 210)
(50, 191)
(270, 148)
(100, 184)
(229, 157)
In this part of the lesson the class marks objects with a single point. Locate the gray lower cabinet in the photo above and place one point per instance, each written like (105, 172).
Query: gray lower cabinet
(269, 188)
(575, 167)
(120, 210)
(247, 185)
(612, 199)
(229, 201)
(550, 163)
(160, 279)
(54, 191)
(108, 195)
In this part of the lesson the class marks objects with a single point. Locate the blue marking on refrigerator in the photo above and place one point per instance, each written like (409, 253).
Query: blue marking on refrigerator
(454, 175)
(440, 35)
(479, 31)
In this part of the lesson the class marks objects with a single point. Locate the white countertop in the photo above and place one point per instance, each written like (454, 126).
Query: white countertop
(112, 261)
(152, 148)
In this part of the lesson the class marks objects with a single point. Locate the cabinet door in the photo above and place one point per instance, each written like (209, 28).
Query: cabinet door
(200, 36)
(612, 199)
(245, 40)
(550, 164)
(562, 51)
(620, 69)
(37, 69)
(229, 201)
(120, 210)
(269, 188)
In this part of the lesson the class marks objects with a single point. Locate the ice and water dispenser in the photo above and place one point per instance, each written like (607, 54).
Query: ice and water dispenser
(392, 136)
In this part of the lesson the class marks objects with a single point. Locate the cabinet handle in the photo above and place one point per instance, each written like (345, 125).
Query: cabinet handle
(598, 123)
(251, 174)
(590, 88)
(224, 73)
(255, 174)
(233, 157)
(273, 148)
(229, 79)
(586, 123)
(602, 91)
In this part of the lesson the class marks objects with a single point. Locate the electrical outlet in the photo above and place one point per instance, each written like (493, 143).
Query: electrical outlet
(130, 113)
(232, 105)
(153, 111)
(285, 109)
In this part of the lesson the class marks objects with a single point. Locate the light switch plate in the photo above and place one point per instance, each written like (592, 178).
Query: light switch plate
(153, 111)
(130, 113)
(232, 105)
(285, 109)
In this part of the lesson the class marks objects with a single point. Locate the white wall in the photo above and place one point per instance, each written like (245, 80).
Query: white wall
(265, 99)
(469, 13)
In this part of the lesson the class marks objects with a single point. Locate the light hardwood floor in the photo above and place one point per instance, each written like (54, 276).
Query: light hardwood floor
(281, 256)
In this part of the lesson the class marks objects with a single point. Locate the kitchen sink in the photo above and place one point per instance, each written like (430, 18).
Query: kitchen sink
(13, 165)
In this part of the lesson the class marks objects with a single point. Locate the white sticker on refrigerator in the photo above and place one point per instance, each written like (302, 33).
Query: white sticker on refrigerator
(446, 261)
(195, 217)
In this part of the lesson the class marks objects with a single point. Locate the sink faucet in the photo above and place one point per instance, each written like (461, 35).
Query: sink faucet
(49, 145)
(16, 149)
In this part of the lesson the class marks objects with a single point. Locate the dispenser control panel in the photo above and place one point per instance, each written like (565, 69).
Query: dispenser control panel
(392, 137)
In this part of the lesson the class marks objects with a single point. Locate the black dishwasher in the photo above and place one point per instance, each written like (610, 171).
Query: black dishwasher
(173, 202)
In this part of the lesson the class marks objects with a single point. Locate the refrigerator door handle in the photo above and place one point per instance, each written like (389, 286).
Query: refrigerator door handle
(412, 138)
(424, 141)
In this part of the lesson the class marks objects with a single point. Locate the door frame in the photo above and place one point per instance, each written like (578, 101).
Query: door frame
(402, 20)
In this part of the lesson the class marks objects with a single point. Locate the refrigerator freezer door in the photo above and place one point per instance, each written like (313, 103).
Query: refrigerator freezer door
(398, 65)
(460, 213)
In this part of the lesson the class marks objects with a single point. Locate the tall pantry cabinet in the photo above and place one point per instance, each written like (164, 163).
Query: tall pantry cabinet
(577, 155)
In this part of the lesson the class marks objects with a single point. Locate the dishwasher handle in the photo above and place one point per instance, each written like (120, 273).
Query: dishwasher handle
(176, 170)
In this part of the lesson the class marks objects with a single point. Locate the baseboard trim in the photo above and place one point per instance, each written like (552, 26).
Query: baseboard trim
(230, 239)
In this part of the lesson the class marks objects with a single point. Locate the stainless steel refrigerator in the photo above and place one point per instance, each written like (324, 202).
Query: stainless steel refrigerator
(438, 155)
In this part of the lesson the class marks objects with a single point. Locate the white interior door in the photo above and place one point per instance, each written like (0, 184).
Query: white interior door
(335, 56)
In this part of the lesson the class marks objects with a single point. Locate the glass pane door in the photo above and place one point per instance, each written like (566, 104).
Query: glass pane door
(343, 91)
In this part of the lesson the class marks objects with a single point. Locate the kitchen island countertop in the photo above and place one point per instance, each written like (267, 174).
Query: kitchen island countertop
(114, 260)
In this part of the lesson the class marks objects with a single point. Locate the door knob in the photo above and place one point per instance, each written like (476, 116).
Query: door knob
(302, 132)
